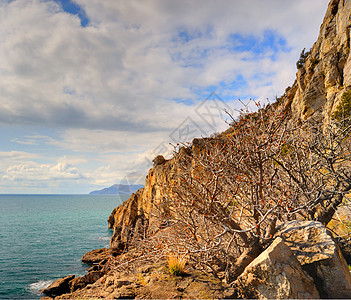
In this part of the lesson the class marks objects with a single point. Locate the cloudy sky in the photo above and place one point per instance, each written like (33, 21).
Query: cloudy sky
(92, 90)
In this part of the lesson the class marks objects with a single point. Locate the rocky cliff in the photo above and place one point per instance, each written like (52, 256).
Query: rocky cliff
(323, 77)
(324, 72)
(138, 214)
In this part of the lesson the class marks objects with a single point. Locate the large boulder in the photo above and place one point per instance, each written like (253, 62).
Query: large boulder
(59, 286)
(319, 255)
(276, 274)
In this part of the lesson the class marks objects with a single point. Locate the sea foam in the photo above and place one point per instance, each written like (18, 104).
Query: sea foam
(36, 287)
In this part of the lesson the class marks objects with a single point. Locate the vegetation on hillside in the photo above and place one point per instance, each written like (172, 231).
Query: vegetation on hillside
(343, 110)
(232, 190)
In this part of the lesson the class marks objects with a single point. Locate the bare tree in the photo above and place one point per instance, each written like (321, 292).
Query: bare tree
(229, 192)
(233, 189)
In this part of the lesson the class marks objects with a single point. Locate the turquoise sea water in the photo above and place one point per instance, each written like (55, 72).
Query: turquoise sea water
(42, 238)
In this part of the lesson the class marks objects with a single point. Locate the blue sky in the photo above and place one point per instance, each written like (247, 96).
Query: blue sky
(92, 90)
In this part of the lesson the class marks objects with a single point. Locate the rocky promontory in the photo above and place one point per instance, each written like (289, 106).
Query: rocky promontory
(297, 258)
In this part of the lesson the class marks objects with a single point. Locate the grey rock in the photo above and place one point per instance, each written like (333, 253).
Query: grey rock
(320, 257)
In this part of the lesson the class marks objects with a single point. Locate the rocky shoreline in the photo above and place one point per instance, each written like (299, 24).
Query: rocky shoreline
(303, 261)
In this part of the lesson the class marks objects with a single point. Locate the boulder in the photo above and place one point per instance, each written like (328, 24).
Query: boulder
(95, 256)
(276, 274)
(81, 282)
(319, 255)
(58, 287)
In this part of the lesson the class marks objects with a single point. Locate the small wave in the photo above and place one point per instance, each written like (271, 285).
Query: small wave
(104, 238)
(36, 287)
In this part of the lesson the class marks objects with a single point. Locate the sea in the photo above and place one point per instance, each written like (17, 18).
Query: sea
(43, 237)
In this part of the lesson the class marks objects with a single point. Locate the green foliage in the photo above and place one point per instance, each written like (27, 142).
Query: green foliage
(301, 62)
(343, 111)
(286, 149)
(314, 62)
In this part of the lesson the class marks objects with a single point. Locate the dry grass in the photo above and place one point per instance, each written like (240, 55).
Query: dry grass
(176, 264)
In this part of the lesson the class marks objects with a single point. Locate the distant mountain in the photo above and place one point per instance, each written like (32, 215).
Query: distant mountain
(120, 189)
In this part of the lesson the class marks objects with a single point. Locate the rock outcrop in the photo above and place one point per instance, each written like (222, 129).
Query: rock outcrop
(81, 282)
(59, 286)
(276, 274)
(320, 257)
(155, 282)
(96, 256)
(325, 74)
(137, 215)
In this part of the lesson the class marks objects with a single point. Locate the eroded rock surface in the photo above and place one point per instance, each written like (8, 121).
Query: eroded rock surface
(95, 256)
(276, 274)
(319, 255)
(155, 283)
(326, 72)
(58, 287)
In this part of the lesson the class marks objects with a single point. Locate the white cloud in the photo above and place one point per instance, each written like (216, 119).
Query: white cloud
(6, 156)
(120, 72)
(36, 172)
(111, 88)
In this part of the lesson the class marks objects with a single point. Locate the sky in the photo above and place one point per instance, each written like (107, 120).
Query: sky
(92, 90)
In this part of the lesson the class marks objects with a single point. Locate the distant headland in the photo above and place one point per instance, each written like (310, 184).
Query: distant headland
(118, 189)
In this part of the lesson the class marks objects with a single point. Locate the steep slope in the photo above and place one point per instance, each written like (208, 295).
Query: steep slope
(323, 76)
(325, 73)
(137, 214)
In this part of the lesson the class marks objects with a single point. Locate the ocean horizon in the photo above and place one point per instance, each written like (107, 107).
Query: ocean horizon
(44, 236)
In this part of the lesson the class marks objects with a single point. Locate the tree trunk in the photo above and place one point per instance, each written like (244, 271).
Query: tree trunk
(325, 215)
(242, 262)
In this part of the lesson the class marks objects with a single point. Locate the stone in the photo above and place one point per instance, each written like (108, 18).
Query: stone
(58, 287)
(276, 274)
(82, 282)
(319, 255)
(138, 213)
(95, 256)
(159, 160)
(124, 221)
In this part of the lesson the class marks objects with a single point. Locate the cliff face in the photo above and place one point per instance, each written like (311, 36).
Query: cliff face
(136, 215)
(325, 74)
